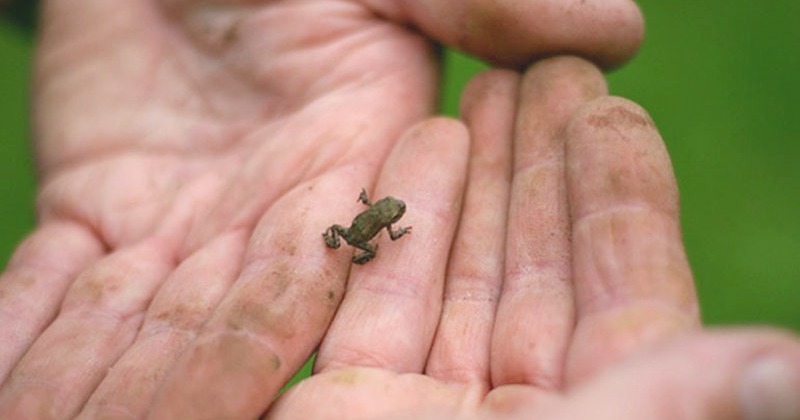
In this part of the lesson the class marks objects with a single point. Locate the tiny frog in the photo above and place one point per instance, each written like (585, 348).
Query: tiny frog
(367, 224)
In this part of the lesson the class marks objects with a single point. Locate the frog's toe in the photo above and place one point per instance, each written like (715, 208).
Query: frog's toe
(330, 241)
(363, 258)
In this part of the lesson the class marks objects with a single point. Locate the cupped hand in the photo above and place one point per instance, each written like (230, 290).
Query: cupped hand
(557, 288)
(190, 153)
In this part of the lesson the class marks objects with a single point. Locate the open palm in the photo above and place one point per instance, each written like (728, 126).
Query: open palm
(191, 153)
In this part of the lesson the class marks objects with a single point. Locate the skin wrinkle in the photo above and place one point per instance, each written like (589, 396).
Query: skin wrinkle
(389, 284)
(537, 275)
(348, 356)
(472, 288)
(109, 410)
(606, 270)
(167, 329)
(106, 143)
(482, 261)
(136, 205)
(265, 343)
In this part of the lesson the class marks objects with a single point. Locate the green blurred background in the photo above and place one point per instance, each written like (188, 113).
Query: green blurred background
(721, 81)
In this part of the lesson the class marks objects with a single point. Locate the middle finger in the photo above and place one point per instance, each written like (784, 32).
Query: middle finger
(535, 315)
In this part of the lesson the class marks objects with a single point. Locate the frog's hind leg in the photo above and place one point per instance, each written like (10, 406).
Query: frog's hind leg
(331, 236)
(368, 254)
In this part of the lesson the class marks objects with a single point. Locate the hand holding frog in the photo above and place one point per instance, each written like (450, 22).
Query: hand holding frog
(575, 302)
(190, 153)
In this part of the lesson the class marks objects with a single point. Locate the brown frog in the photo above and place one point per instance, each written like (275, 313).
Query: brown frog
(367, 224)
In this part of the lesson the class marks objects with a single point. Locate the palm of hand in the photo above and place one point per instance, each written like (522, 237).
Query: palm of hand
(160, 154)
(206, 121)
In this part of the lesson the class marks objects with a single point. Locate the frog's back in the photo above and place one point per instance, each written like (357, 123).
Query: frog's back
(365, 226)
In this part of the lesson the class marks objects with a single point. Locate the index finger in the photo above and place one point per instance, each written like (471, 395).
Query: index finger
(275, 313)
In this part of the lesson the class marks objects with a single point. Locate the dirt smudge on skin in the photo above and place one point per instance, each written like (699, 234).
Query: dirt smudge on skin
(345, 376)
(182, 316)
(239, 359)
(96, 289)
(15, 285)
(276, 362)
(619, 116)
(268, 305)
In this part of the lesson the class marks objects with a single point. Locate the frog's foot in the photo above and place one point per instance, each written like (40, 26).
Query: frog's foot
(331, 236)
(367, 255)
(399, 232)
(363, 197)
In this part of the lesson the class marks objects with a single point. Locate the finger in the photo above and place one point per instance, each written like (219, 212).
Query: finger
(722, 375)
(517, 32)
(178, 311)
(460, 349)
(34, 283)
(98, 320)
(632, 280)
(389, 314)
(275, 313)
(535, 315)
(371, 393)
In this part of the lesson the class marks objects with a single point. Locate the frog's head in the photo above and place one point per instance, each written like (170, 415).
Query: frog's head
(391, 208)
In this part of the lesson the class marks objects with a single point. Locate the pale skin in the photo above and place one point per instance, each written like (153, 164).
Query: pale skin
(187, 171)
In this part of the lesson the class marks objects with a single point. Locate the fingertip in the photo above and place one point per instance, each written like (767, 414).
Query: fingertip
(513, 33)
(436, 137)
(486, 90)
(568, 69)
(550, 92)
(444, 128)
(617, 157)
(608, 110)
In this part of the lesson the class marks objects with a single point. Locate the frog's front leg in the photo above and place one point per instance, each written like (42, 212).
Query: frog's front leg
(368, 254)
(364, 198)
(398, 233)
(331, 236)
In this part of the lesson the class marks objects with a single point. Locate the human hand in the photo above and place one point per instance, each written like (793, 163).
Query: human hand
(190, 154)
(567, 294)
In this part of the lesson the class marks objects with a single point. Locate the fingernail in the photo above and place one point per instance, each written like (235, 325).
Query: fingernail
(770, 389)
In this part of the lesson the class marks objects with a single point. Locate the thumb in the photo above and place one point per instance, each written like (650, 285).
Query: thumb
(753, 375)
(515, 32)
